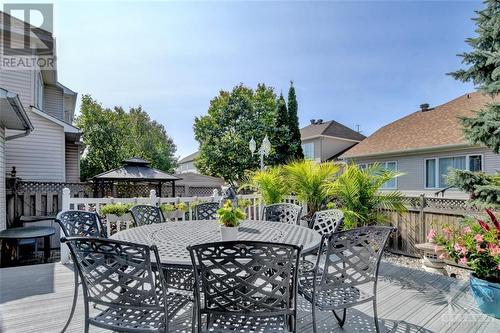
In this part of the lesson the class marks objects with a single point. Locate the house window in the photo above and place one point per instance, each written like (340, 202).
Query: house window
(308, 149)
(391, 165)
(39, 91)
(436, 169)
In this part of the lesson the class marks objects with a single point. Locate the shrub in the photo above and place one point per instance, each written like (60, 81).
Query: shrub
(118, 209)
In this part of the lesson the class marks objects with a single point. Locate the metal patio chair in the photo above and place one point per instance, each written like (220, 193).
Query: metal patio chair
(206, 211)
(120, 286)
(349, 275)
(282, 212)
(245, 286)
(146, 214)
(324, 222)
(78, 223)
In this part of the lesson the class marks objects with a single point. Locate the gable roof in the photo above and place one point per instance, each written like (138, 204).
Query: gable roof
(135, 169)
(421, 130)
(330, 128)
(189, 158)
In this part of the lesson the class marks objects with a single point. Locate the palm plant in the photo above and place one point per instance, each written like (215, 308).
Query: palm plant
(358, 194)
(308, 181)
(269, 183)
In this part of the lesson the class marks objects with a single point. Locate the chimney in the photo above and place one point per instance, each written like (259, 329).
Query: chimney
(319, 121)
(313, 121)
(424, 107)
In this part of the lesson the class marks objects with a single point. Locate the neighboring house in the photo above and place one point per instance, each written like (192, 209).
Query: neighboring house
(12, 118)
(326, 140)
(52, 152)
(425, 145)
(186, 164)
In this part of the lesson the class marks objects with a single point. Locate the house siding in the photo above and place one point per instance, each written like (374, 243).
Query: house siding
(20, 82)
(2, 180)
(40, 155)
(53, 102)
(72, 162)
(332, 146)
(414, 167)
(317, 148)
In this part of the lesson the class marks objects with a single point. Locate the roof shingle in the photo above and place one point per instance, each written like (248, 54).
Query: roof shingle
(436, 127)
(330, 128)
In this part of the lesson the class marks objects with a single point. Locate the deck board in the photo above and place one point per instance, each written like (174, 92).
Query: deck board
(38, 299)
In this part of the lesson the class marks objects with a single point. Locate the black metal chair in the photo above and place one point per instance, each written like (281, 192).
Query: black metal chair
(327, 221)
(324, 222)
(346, 271)
(246, 286)
(283, 212)
(206, 211)
(146, 214)
(118, 279)
(79, 223)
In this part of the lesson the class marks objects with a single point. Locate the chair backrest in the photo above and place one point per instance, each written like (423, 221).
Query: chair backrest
(206, 211)
(80, 223)
(244, 277)
(352, 257)
(146, 214)
(117, 274)
(327, 221)
(283, 212)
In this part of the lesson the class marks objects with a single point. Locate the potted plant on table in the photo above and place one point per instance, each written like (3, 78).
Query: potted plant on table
(477, 245)
(229, 218)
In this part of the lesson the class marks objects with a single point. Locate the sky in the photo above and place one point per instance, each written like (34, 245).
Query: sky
(363, 63)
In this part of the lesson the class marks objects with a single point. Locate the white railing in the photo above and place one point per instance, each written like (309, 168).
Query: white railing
(115, 224)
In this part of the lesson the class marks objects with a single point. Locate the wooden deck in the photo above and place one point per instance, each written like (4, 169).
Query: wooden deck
(38, 299)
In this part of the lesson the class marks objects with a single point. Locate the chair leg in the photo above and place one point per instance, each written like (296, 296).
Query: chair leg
(313, 311)
(375, 317)
(340, 321)
(75, 298)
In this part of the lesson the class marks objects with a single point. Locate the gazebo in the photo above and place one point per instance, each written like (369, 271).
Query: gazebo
(134, 170)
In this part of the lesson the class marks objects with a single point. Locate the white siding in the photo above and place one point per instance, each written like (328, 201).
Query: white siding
(53, 102)
(40, 155)
(413, 166)
(19, 82)
(72, 163)
(3, 211)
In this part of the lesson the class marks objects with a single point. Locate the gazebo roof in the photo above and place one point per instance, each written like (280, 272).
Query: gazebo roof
(136, 169)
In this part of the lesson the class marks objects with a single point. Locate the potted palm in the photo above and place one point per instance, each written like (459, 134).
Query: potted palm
(229, 218)
(115, 212)
(268, 183)
(477, 245)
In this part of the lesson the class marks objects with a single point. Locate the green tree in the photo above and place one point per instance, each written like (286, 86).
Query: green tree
(484, 71)
(232, 120)
(112, 135)
(295, 146)
(281, 136)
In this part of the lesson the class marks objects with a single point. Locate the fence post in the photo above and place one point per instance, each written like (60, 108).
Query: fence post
(421, 219)
(152, 198)
(66, 195)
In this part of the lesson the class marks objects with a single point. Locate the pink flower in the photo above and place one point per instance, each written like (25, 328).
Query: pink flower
(459, 248)
(447, 231)
(463, 261)
(466, 230)
(479, 238)
(431, 235)
(498, 267)
(494, 249)
(442, 256)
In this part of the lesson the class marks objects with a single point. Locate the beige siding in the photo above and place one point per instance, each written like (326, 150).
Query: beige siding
(2, 180)
(19, 82)
(53, 102)
(332, 146)
(40, 155)
(72, 163)
(413, 167)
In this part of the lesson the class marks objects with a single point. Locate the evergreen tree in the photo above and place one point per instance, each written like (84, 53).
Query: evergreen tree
(484, 71)
(280, 138)
(295, 147)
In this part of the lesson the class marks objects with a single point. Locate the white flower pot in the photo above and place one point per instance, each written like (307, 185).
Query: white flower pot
(228, 233)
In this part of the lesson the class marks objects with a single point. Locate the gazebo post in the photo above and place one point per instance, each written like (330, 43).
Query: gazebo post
(173, 188)
(159, 188)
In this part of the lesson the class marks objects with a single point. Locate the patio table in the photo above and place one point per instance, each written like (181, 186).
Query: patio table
(172, 238)
(28, 233)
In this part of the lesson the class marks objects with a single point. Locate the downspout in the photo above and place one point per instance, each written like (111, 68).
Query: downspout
(20, 135)
(18, 108)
